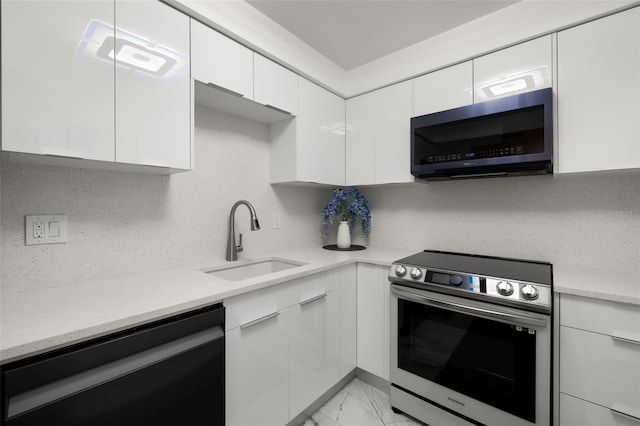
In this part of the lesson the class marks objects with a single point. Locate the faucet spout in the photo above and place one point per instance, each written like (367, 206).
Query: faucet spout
(232, 248)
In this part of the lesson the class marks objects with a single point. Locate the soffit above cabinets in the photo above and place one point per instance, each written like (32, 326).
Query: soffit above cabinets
(352, 33)
(517, 21)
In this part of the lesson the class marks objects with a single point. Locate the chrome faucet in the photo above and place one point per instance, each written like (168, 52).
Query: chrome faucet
(232, 248)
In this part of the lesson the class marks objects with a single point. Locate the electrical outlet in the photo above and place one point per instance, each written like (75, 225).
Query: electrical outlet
(45, 229)
(276, 220)
(38, 229)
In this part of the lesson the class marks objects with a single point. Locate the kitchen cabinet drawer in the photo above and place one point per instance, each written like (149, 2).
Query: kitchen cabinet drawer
(601, 316)
(274, 85)
(577, 412)
(260, 304)
(257, 305)
(600, 369)
(444, 89)
(218, 60)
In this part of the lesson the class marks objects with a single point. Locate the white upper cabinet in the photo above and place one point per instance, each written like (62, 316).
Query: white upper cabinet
(521, 68)
(310, 147)
(599, 94)
(274, 85)
(220, 61)
(360, 134)
(393, 133)
(82, 82)
(443, 89)
(378, 134)
(153, 86)
(57, 86)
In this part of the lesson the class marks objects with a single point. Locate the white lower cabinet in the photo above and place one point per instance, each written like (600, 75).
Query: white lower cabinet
(599, 362)
(314, 349)
(373, 309)
(257, 373)
(287, 345)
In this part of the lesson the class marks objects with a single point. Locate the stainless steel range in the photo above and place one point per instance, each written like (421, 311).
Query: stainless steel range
(471, 339)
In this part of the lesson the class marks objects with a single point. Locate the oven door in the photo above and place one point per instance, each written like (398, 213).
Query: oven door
(487, 364)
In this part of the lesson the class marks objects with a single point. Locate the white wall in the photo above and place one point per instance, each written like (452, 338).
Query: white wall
(587, 221)
(122, 223)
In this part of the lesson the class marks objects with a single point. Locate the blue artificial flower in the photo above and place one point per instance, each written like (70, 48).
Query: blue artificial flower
(349, 205)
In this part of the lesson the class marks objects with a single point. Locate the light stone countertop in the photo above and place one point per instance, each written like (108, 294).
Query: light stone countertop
(37, 321)
(616, 286)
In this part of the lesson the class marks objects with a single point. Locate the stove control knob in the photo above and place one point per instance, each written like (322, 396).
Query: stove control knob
(416, 273)
(401, 271)
(504, 288)
(529, 292)
(455, 280)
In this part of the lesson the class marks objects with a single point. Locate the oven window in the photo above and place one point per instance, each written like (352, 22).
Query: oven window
(486, 360)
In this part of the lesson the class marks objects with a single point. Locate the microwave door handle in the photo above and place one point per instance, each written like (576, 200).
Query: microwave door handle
(472, 310)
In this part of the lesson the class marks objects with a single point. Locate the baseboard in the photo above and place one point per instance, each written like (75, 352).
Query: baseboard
(373, 380)
(315, 406)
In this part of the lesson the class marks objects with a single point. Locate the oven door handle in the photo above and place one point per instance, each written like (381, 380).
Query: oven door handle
(509, 318)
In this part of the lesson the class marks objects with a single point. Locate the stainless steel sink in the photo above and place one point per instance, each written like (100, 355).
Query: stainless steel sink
(253, 269)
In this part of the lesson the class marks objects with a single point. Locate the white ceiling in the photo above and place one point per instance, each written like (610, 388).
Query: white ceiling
(351, 33)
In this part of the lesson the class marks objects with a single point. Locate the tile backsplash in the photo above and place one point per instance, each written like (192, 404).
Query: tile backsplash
(123, 223)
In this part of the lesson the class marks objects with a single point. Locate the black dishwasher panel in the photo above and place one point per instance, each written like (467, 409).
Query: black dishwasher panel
(170, 372)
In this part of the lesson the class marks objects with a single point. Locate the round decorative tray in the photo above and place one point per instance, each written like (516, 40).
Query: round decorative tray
(354, 247)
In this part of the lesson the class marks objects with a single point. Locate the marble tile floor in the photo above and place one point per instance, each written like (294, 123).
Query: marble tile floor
(359, 404)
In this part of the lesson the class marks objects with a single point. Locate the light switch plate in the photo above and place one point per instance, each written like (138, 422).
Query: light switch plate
(45, 229)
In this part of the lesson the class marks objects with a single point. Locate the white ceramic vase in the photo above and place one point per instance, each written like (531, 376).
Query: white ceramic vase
(344, 235)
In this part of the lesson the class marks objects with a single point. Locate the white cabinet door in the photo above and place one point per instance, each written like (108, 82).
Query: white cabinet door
(578, 412)
(310, 147)
(314, 348)
(274, 85)
(392, 133)
(378, 134)
(599, 94)
(360, 142)
(443, 89)
(153, 87)
(257, 373)
(601, 369)
(321, 135)
(347, 293)
(57, 86)
(521, 68)
(373, 319)
(218, 60)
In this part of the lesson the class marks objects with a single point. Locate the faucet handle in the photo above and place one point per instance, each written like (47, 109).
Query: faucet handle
(239, 247)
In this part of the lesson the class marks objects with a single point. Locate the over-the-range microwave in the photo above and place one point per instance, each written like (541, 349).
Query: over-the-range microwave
(501, 137)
